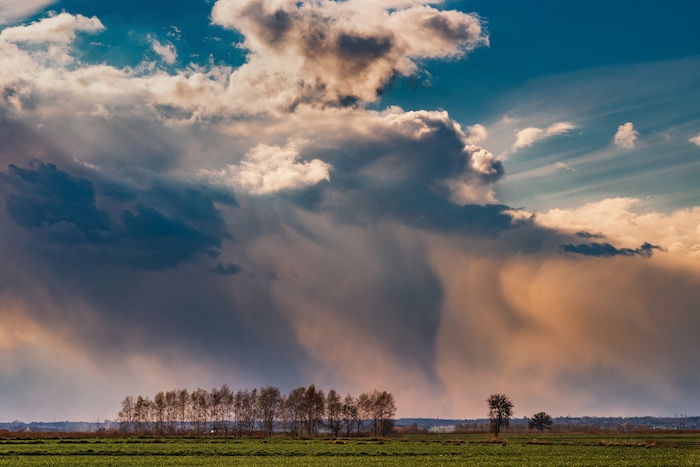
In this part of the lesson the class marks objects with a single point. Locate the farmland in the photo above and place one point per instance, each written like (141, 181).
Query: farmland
(446, 449)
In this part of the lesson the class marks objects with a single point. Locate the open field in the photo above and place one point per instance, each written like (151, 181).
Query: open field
(480, 450)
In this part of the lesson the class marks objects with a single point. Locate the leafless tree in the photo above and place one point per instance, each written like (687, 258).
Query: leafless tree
(333, 411)
(214, 409)
(183, 402)
(127, 414)
(199, 409)
(384, 411)
(159, 407)
(379, 408)
(302, 412)
(365, 409)
(226, 406)
(171, 410)
(244, 408)
(142, 414)
(350, 414)
(295, 409)
(314, 409)
(268, 405)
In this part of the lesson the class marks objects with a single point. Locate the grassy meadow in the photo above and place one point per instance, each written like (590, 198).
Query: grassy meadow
(444, 449)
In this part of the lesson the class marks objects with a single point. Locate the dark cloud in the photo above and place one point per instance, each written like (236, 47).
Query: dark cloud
(158, 227)
(230, 269)
(584, 234)
(606, 250)
(43, 196)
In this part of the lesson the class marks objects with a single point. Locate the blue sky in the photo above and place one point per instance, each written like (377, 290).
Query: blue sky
(358, 194)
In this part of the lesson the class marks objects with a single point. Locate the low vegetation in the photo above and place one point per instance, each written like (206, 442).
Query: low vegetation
(443, 449)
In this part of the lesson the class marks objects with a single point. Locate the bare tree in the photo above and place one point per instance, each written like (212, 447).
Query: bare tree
(365, 409)
(379, 408)
(384, 412)
(226, 406)
(170, 410)
(214, 409)
(500, 411)
(333, 411)
(183, 403)
(127, 414)
(159, 407)
(295, 409)
(350, 414)
(314, 409)
(142, 414)
(244, 407)
(268, 404)
(199, 409)
(541, 421)
(303, 411)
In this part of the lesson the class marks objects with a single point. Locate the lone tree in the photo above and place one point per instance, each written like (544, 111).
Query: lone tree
(500, 411)
(541, 421)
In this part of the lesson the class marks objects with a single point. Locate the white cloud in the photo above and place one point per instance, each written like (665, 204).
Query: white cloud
(623, 222)
(312, 54)
(626, 136)
(166, 50)
(336, 52)
(268, 169)
(59, 29)
(529, 136)
(477, 133)
(13, 10)
(695, 139)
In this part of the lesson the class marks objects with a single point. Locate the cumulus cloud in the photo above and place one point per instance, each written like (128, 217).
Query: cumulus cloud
(300, 54)
(629, 222)
(337, 53)
(269, 169)
(60, 28)
(12, 10)
(626, 136)
(166, 50)
(695, 140)
(477, 133)
(531, 135)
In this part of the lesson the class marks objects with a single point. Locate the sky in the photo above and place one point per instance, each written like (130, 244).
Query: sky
(440, 199)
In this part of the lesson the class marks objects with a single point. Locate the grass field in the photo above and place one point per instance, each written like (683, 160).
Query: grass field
(478, 450)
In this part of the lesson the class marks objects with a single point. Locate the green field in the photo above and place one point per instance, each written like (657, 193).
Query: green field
(479, 450)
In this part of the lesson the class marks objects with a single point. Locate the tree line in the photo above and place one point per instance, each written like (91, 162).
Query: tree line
(305, 411)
